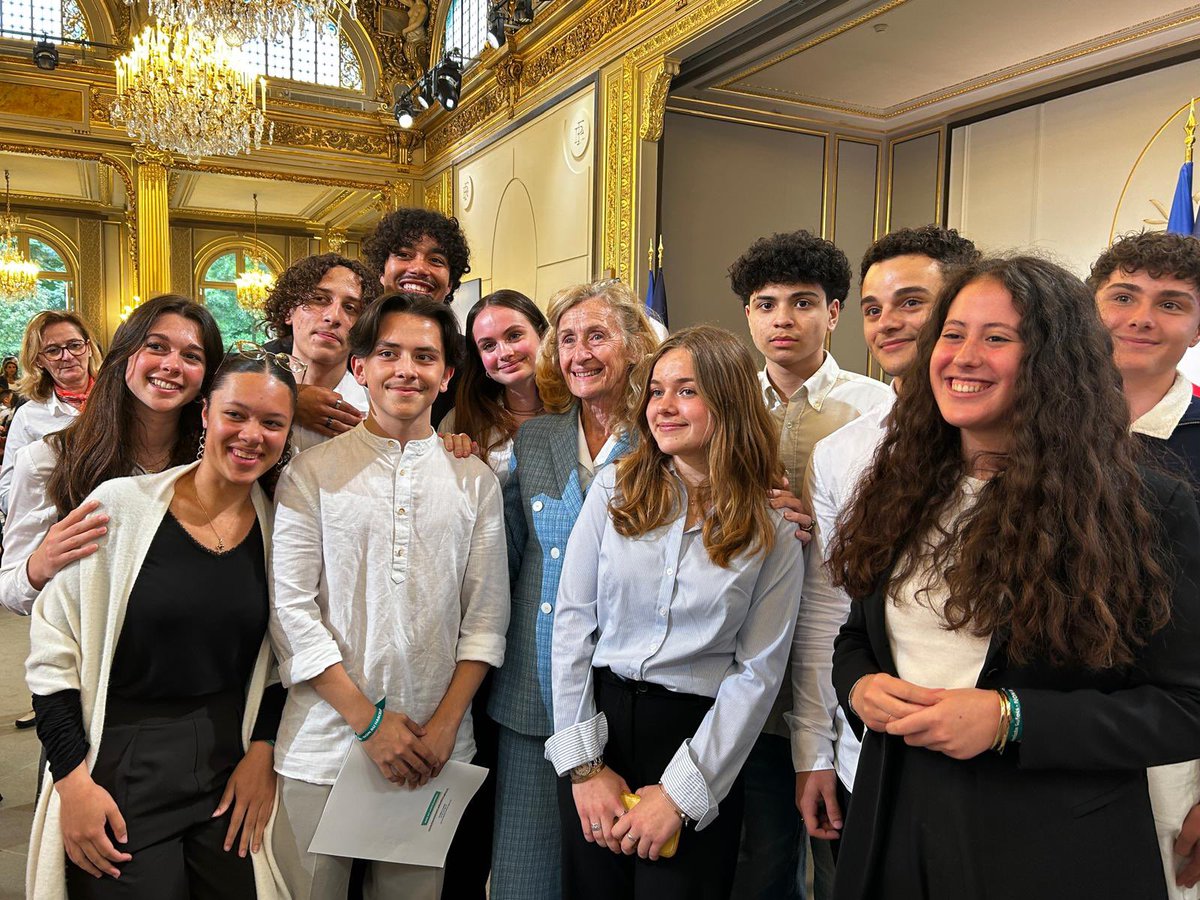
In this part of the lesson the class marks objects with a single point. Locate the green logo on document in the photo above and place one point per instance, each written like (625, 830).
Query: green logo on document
(432, 806)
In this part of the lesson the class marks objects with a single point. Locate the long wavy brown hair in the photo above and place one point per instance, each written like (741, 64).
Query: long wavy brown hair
(743, 453)
(1059, 552)
(478, 406)
(99, 443)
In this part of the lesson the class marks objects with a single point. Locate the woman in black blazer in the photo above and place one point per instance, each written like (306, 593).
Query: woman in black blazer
(1027, 638)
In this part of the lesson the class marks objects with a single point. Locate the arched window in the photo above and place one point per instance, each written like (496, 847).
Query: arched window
(55, 290)
(318, 52)
(218, 291)
(54, 18)
(466, 27)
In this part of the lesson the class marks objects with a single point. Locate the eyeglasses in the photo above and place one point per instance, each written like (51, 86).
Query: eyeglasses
(56, 351)
(251, 350)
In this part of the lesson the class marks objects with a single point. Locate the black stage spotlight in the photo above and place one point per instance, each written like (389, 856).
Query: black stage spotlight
(495, 27)
(523, 12)
(45, 55)
(404, 112)
(447, 83)
(423, 92)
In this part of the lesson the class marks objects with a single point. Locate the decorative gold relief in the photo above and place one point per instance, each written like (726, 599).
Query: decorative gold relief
(439, 193)
(154, 239)
(91, 274)
(275, 175)
(392, 197)
(335, 239)
(508, 79)
(404, 141)
(295, 135)
(656, 84)
(620, 111)
(181, 261)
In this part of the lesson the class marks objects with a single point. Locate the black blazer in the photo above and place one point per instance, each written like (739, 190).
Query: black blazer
(1065, 813)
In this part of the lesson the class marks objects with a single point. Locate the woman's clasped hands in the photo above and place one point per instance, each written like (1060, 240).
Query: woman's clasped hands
(643, 830)
(959, 722)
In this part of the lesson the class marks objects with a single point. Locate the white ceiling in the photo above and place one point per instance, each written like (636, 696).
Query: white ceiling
(884, 65)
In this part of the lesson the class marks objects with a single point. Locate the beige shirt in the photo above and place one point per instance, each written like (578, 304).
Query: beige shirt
(825, 402)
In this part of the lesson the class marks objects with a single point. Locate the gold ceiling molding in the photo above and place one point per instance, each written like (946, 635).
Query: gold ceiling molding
(275, 175)
(392, 197)
(239, 217)
(812, 42)
(293, 134)
(656, 88)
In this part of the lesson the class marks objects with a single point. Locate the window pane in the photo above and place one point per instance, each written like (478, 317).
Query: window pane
(235, 322)
(351, 72)
(74, 25)
(279, 59)
(46, 256)
(328, 48)
(223, 269)
(466, 26)
(47, 17)
(15, 316)
(318, 54)
(14, 15)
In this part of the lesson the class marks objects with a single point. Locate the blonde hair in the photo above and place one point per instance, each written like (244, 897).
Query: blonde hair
(743, 452)
(36, 383)
(636, 334)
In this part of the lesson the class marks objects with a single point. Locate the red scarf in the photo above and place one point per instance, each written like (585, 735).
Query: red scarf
(75, 398)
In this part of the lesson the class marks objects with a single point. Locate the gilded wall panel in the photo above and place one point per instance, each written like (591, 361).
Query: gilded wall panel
(298, 248)
(182, 261)
(40, 102)
(91, 274)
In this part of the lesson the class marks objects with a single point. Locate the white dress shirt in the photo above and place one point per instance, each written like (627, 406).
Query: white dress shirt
(816, 722)
(587, 463)
(32, 422)
(30, 515)
(391, 560)
(352, 393)
(1161, 420)
(693, 627)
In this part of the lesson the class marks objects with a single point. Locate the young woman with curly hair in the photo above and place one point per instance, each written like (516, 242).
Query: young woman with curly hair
(1022, 642)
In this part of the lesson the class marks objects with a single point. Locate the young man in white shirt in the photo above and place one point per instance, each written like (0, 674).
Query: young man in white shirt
(391, 596)
(315, 303)
(902, 274)
(792, 287)
(1147, 290)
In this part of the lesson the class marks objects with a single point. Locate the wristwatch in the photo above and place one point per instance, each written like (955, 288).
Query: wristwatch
(589, 769)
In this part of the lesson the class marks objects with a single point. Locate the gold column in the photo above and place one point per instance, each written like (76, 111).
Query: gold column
(153, 223)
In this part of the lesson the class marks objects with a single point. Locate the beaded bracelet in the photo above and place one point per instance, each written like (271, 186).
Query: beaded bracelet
(1017, 725)
(375, 720)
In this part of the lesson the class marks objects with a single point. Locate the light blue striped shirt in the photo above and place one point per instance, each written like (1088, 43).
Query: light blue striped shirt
(657, 609)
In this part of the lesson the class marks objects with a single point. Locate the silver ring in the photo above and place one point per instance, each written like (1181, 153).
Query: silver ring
(329, 421)
(337, 404)
(595, 826)
(630, 837)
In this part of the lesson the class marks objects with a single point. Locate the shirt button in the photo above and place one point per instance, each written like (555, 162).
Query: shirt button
(653, 647)
(670, 571)
(547, 608)
(399, 551)
(400, 511)
(537, 505)
(790, 424)
(662, 610)
(402, 472)
(554, 553)
(392, 444)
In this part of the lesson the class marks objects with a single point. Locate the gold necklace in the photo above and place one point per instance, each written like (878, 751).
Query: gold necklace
(220, 542)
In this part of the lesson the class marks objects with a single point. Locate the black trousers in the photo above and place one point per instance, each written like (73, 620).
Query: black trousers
(646, 725)
(166, 765)
(469, 861)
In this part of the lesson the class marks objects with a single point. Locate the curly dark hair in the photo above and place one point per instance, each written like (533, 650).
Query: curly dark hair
(943, 245)
(1156, 253)
(298, 281)
(405, 227)
(1059, 551)
(795, 258)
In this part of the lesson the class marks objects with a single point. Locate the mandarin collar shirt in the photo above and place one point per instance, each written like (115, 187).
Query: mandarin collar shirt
(658, 609)
(389, 558)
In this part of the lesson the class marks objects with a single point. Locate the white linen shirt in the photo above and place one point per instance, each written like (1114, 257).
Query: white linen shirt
(658, 609)
(816, 722)
(391, 560)
(500, 456)
(352, 393)
(32, 422)
(31, 515)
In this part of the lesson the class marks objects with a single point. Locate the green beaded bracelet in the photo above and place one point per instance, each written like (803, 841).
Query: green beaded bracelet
(375, 720)
(1016, 724)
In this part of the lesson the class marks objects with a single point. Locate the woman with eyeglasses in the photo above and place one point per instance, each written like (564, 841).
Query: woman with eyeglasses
(149, 665)
(141, 416)
(60, 361)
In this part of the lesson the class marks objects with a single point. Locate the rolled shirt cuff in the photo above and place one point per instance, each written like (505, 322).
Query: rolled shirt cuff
(308, 664)
(488, 648)
(686, 786)
(582, 742)
(24, 595)
(810, 752)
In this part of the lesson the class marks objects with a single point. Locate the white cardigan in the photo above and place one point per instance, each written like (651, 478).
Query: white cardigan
(76, 622)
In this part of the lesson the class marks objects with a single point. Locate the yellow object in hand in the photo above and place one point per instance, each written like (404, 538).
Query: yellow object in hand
(669, 848)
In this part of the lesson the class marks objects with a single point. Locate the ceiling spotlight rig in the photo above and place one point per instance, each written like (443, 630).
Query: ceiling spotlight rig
(506, 17)
(441, 84)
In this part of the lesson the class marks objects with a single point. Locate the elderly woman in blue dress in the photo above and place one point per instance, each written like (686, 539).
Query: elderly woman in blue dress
(598, 333)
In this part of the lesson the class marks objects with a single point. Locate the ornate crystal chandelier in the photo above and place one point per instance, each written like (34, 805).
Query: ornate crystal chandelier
(180, 90)
(239, 21)
(254, 285)
(18, 275)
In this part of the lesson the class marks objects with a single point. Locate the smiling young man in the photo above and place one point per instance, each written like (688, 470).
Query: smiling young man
(792, 287)
(422, 252)
(902, 274)
(314, 303)
(1147, 290)
(391, 595)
